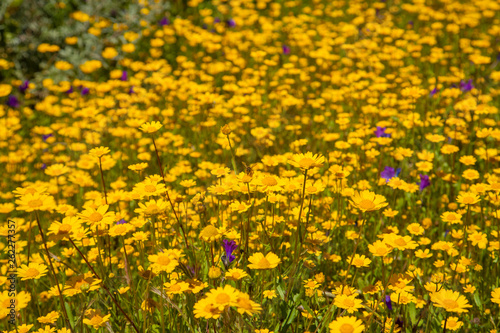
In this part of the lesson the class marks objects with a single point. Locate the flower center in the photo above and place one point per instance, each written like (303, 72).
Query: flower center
(348, 303)
(346, 328)
(366, 204)
(150, 188)
(95, 217)
(163, 260)
(264, 263)
(222, 298)
(96, 320)
(64, 229)
(450, 304)
(35, 203)
(306, 163)
(269, 181)
(400, 242)
(32, 272)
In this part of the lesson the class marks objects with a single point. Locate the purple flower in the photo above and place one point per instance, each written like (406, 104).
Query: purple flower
(389, 173)
(85, 91)
(124, 76)
(231, 23)
(45, 137)
(229, 247)
(424, 182)
(12, 101)
(122, 221)
(466, 86)
(131, 90)
(217, 20)
(286, 50)
(380, 132)
(24, 86)
(388, 302)
(164, 21)
(44, 166)
(70, 90)
(434, 92)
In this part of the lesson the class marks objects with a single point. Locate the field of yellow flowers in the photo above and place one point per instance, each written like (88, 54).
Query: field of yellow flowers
(255, 166)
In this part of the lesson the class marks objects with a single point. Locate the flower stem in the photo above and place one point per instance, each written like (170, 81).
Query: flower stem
(103, 286)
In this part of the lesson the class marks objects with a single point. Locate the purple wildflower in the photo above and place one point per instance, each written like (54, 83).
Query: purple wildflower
(122, 221)
(12, 101)
(231, 23)
(24, 86)
(286, 50)
(229, 247)
(44, 166)
(389, 173)
(70, 90)
(164, 21)
(124, 76)
(131, 90)
(388, 302)
(45, 137)
(466, 86)
(434, 92)
(85, 91)
(424, 182)
(380, 132)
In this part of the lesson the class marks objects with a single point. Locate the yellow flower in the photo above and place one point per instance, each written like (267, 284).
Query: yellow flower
(468, 198)
(151, 127)
(346, 324)
(495, 295)
(95, 319)
(450, 300)
(259, 261)
(269, 294)
(163, 262)
(99, 151)
(33, 271)
(223, 297)
(235, 274)
(452, 324)
(307, 161)
(109, 53)
(210, 233)
(50, 318)
(380, 248)
(367, 201)
(5, 89)
(348, 302)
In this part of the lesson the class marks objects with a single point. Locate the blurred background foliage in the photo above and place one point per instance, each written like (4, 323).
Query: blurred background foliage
(25, 24)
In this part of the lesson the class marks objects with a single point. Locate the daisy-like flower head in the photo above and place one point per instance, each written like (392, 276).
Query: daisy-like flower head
(223, 297)
(468, 198)
(33, 271)
(151, 127)
(56, 170)
(33, 202)
(235, 274)
(246, 306)
(205, 308)
(450, 300)
(307, 161)
(348, 302)
(210, 233)
(50, 318)
(95, 319)
(259, 261)
(367, 201)
(346, 324)
(99, 151)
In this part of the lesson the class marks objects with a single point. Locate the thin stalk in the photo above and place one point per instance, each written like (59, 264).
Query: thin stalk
(104, 287)
(53, 272)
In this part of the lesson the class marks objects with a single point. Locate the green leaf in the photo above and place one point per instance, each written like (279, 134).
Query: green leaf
(413, 313)
(281, 292)
(478, 301)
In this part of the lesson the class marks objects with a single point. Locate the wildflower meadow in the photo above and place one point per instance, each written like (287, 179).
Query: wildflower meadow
(249, 166)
